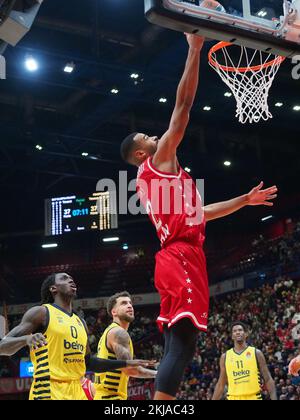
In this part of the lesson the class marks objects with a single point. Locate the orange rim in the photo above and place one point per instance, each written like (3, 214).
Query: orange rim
(220, 45)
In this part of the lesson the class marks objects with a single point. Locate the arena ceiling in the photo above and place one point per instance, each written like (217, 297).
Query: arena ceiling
(71, 114)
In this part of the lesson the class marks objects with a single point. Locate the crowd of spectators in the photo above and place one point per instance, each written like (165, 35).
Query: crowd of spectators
(282, 252)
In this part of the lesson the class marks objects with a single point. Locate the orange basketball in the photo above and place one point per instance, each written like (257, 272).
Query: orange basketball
(294, 366)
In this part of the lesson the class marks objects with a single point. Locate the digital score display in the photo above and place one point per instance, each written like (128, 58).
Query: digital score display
(76, 214)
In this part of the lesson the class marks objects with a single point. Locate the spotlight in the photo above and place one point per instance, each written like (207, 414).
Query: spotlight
(31, 64)
(266, 218)
(69, 68)
(114, 239)
(45, 246)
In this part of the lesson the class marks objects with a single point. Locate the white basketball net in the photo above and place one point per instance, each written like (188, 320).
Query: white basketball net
(249, 82)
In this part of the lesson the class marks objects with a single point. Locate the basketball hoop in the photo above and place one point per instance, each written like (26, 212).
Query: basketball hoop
(249, 80)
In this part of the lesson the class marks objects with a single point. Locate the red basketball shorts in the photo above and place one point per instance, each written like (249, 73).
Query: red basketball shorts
(181, 280)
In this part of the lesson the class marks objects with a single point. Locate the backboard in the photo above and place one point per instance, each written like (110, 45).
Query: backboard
(272, 26)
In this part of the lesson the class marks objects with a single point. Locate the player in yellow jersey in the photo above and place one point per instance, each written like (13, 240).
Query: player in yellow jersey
(116, 344)
(58, 341)
(241, 368)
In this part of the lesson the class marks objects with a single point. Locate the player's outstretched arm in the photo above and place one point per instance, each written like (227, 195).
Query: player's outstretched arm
(25, 333)
(256, 197)
(98, 365)
(140, 372)
(269, 381)
(222, 382)
(186, 93)
(118, 339)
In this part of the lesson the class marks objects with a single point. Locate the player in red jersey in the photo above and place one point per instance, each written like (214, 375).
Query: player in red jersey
(174, 206)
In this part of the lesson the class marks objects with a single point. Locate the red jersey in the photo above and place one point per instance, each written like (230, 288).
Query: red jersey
(175, 208)
(173, 203)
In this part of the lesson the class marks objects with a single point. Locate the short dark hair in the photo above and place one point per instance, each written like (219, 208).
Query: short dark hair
(46, 295)
(127, 147)
(113, 300)
(242, 324)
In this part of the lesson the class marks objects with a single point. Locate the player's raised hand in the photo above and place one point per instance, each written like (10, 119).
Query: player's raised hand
(195, 41)
(259, 197)
(35, 341)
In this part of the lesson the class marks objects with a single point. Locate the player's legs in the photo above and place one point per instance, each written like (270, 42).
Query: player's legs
(179, 351)
(167, 336)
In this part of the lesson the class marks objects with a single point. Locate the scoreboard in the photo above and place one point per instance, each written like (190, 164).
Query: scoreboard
(76, 213)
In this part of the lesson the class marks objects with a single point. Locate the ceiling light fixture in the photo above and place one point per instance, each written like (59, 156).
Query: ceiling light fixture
(69, 68)
(45, 246)
(31, 64)
(266, 218)
(114, 239)
(227, 163)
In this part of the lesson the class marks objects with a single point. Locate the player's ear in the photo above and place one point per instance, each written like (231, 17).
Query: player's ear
(53, 289)
(140, 154)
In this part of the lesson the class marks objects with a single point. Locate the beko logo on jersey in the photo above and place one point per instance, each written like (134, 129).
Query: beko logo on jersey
(73, 346)
(241, 373)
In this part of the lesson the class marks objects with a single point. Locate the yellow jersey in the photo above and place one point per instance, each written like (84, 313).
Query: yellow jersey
(110, 385)
(63, 358)
(243, 375)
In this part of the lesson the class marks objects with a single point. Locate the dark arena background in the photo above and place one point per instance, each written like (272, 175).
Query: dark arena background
(85, 76)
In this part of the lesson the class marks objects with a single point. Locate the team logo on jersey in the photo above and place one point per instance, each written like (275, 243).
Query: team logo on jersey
(60, 320)
(248, 355)
(79, 323)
